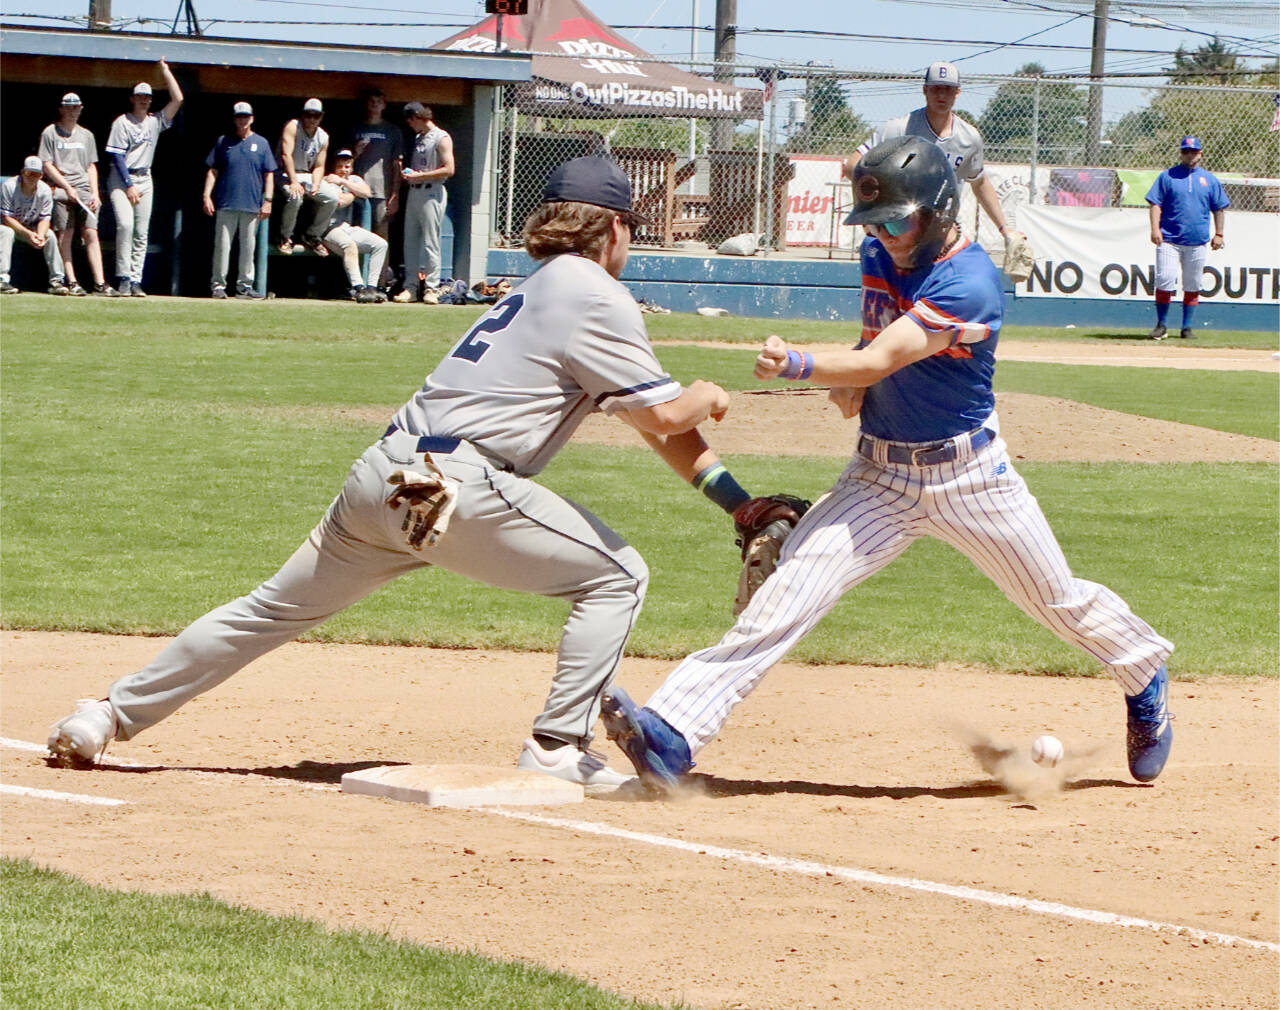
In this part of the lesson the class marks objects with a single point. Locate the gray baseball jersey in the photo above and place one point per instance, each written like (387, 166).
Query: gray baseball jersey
(27, 210)
(568, 341)
(305, 149)
(135, 139)
(425, 157)
(72, 153)
(963, 146)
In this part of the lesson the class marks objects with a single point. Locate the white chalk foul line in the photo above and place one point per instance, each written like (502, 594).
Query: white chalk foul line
(49, 794)
(811, 869)
(784, 865)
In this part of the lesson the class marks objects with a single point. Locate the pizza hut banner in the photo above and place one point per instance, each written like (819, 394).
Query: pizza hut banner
(1106, 252)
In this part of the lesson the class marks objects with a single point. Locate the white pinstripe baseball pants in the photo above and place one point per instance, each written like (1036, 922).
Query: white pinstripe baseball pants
(1191, 258)
(980, 506)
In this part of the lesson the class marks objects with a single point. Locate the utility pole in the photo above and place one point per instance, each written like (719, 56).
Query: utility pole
(99, 15)
(725, 60)
(1093, 138)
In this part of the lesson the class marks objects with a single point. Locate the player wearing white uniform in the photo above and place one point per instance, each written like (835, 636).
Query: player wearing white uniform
(430, 164)
(930, 462)
(131, 146)
(303, 154)
(567, 342)
(349, 240)
(26, 209)
(958, 138)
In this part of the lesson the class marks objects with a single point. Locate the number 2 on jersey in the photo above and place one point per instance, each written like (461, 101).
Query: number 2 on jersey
(472, 349)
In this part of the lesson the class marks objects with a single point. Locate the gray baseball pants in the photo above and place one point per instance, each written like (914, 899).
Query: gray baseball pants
(52, 257)
(324, 202)
(244, 225)
(423, 219)
(133, 225)
(349, 242)
(507, 532)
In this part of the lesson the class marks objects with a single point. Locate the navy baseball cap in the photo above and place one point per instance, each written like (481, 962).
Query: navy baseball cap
(597, 181)
(1191, 144)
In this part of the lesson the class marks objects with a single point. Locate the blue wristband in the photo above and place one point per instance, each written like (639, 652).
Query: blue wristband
(718, 484)
(799, 366)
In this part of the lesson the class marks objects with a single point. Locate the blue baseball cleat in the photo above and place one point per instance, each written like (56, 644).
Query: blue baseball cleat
(1150, 732)
(660, 754)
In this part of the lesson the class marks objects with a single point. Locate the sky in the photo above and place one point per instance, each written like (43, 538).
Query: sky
(978, 35)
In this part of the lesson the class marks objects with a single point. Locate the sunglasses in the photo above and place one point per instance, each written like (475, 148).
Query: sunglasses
(896, 228)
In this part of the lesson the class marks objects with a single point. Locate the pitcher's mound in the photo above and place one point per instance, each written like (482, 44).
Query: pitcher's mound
(463, 786)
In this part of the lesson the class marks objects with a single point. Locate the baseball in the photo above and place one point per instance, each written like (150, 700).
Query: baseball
(1047, 751)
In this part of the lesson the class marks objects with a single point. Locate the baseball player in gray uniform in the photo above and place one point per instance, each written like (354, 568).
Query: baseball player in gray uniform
(450, 485)
(349, 240)
(131, 146)
(26, 207)
(959, 139)
(70, 157)
(430, 163)
(303, 154)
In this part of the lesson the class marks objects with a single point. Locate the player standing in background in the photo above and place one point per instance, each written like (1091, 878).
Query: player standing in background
(1181, 201)
(70, 157)
(379, 150)
(567, 342)
(304, 152)
(430, 163)
(131, 146)
(930, 462)
(958, 138)
(238, 188)
(26, 208)
(349, 240)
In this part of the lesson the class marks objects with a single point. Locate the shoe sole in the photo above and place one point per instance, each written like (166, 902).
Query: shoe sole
(622, 725)
(63, 755)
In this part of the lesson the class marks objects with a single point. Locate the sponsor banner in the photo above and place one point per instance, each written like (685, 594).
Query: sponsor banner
(1106, 252)
(818, 199)
(618, 97)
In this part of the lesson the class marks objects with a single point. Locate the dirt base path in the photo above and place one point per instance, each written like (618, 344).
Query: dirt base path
(823, 772)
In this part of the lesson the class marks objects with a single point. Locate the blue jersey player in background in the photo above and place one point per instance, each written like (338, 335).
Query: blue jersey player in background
(929, 462)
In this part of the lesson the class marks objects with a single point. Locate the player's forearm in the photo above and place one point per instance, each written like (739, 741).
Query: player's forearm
(210, 177)
(990, 202)
(698, 401)
(176, 97)
(687, 453)
(1219, 221)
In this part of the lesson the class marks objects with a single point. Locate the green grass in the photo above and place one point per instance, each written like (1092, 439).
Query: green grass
(70, 946)
(148, 477)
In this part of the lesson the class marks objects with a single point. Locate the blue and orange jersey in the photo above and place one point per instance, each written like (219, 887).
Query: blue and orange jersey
(949, 392)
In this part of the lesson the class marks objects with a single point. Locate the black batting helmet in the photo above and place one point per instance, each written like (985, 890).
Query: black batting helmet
(901, 176)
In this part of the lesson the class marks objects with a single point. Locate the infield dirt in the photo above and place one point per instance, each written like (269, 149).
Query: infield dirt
(843, 766)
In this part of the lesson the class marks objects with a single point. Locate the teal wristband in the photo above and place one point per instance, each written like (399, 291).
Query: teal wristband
(718, 484)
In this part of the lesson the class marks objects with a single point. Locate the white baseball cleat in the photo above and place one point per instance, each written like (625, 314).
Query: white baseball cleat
(585, 767)
(79, 740)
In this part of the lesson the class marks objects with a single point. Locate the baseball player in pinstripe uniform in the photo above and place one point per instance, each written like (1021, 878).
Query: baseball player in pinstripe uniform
(131, 146)
(449, 485)
(929, 462)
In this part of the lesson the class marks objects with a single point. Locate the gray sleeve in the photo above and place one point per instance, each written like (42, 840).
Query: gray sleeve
(118, 138)
(45, 151)
(43, 206)
(6, 200)
(611, 359)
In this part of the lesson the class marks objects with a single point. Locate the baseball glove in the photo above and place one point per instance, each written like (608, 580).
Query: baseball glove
(762, 524)
(429, 501)
(1018, 257)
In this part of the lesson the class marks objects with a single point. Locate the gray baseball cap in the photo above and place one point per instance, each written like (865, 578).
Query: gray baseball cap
(71, 98)
(142, 89)
(242, 109)
(942, 73)
(33, 164)
(312, 105)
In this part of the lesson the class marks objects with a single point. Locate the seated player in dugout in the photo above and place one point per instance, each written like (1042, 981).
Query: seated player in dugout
(449, 484)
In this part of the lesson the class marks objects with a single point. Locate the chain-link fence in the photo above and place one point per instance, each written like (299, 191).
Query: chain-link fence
(779, 179)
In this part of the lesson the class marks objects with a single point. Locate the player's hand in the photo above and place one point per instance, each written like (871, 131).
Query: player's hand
(264, 212)
(393, 203)
(719, 399)
(1216, 242)
(35, 240)
(296, 189)
(1156, 237)
(848, 399)
(94, 203)
(208, 206)
(772, 358)
(134, 196)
